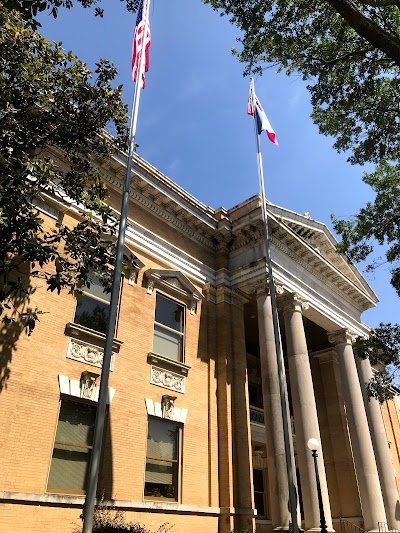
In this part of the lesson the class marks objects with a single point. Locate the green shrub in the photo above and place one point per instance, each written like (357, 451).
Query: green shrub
(108, 520)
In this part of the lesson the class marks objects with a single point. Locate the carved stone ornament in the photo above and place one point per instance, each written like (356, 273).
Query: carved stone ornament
(88, 385)
(150, 286)
(342, 336)
(258, 460)
(175, 282)
(261, 288)
(133, 275)
(294, 302)
(167, 405)
(167, 379)
(87, 353)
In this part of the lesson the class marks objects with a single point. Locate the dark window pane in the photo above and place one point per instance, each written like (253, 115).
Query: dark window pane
(161, 477)
(259, 503)
(169, 313)
(75, 423)
(92, 314)
(167, 343)
(253, 394)
(71, 454)
(162, 440)
(68, 470)
(258, 480)
(96, 288)
(258, 483)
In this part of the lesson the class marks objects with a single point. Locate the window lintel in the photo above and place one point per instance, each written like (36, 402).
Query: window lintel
(174, 282)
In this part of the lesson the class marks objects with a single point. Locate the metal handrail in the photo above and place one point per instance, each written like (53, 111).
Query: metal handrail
(349, 527)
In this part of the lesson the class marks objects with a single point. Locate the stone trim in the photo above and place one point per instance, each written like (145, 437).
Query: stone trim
(168, 364)
(153, 408)
(87, 353)
(167, 380)
(45, 207)
(82, 388)
(77, 331)
(78, 501)
(325, 356)
(176, 282)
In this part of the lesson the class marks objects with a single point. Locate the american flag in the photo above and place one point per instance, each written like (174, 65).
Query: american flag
(142, 28)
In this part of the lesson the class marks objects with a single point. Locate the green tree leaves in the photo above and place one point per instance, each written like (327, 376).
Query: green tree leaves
(53, 112)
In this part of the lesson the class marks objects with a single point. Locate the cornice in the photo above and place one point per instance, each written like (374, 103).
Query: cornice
(157, 210)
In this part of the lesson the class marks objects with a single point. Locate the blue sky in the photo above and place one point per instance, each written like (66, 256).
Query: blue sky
(193, 124)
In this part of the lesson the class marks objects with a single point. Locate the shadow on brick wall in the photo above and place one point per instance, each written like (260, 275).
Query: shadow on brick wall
(18, 317)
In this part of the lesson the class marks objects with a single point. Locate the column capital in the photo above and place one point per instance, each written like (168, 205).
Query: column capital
(230, 296)
(294, 302)
(342, 336)
(261, 288)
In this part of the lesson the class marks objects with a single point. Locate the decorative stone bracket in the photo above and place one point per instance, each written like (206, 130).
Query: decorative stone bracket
(178, 414)
(84, 388)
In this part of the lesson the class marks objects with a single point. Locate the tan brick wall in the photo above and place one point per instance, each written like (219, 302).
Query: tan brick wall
(392, 425)
(40, 519)
(29, 406)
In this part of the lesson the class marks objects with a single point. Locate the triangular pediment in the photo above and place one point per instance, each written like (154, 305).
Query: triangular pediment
(174, 281)
(317, 237)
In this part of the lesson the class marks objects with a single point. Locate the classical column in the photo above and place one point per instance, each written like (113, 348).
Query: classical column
(341, 476)
(381, 447)
(274, 438)
(305, 414)
(243, 469)
(364, 459)
(234, 435)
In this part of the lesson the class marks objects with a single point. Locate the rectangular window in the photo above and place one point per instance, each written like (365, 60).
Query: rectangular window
(92, 312)
(72, 448)
(162, 461)
(259, 492)
(168, 328)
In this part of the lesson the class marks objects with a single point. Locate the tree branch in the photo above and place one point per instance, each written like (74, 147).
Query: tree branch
(379, 3)
(368, 29)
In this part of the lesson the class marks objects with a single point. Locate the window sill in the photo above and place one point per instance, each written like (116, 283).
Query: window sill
(168, 364)
(76, 331)
(159, 499)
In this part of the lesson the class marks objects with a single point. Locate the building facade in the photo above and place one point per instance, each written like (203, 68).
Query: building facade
(194, 432)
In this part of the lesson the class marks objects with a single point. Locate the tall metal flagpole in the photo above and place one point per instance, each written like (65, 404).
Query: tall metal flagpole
(277, 333)
(93, 474)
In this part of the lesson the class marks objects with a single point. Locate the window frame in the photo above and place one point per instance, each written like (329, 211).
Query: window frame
(265, 495)
(177, 461)
(69, 491)
(97, 298)
(182, 334)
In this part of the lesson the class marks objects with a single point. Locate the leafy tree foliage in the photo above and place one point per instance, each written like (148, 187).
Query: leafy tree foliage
(352, 77)
(382, 348)
(348, 52)
(53, 112)
(376, 223)
(29, 9)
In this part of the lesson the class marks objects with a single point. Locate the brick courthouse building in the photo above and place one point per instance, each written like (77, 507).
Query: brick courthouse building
(194, 433)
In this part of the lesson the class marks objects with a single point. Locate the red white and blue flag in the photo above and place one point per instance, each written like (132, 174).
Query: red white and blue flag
(261, 118)
(141, 38)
